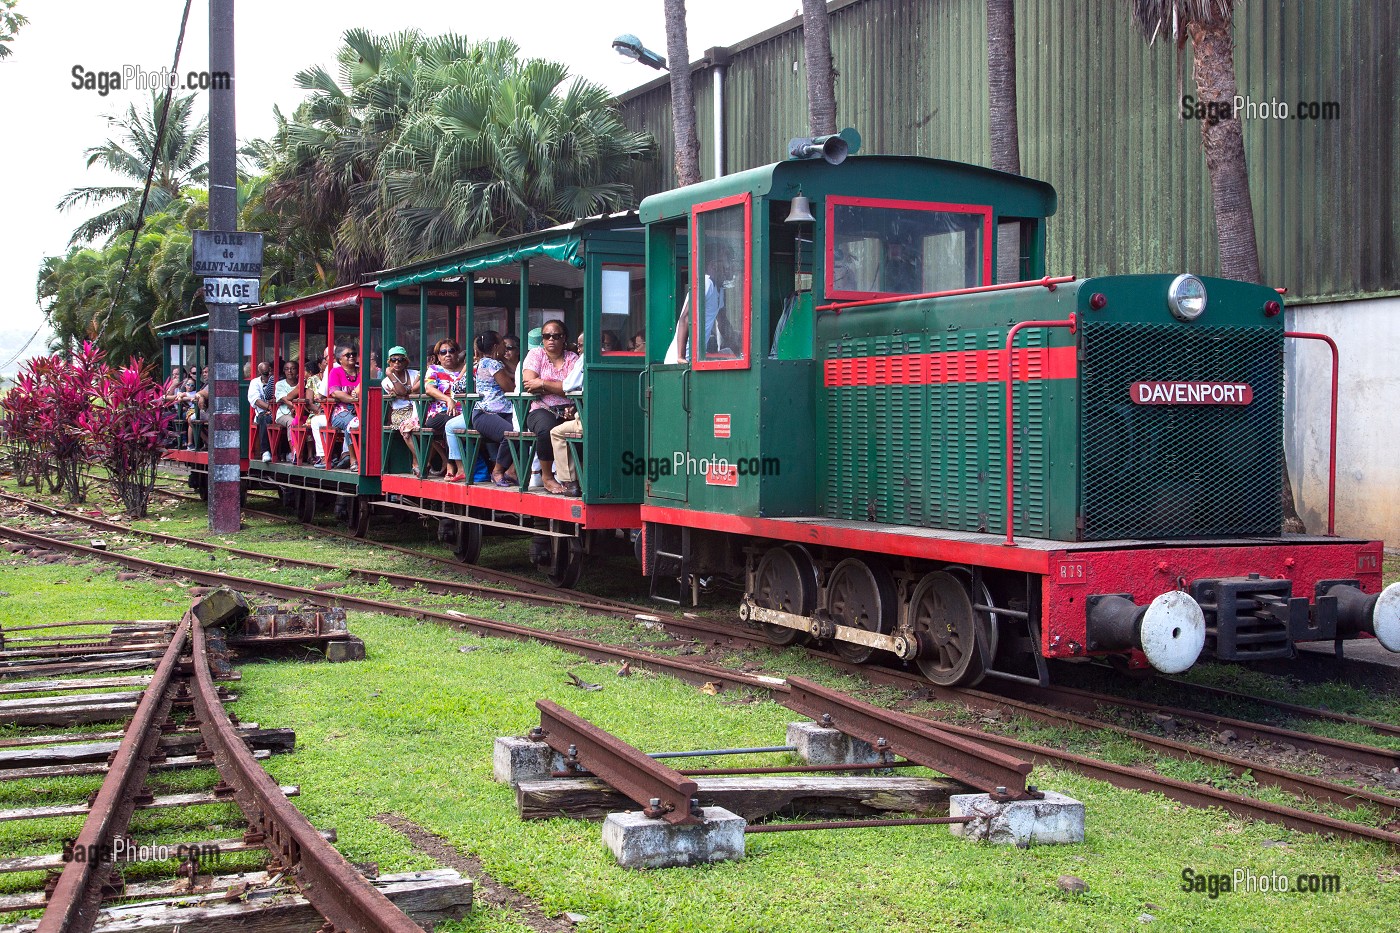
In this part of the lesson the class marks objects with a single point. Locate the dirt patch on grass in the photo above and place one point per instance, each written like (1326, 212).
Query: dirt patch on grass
(484, 888)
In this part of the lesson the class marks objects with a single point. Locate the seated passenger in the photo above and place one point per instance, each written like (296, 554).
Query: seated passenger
(400, 385)
(343, 390)
(320, 410)
(286, 394)
(491, 416)
(199, 411)
(442, 382)
(260, 403)
(565, 469)
(545, 369)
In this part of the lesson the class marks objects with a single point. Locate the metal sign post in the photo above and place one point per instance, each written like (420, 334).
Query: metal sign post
(224, 349)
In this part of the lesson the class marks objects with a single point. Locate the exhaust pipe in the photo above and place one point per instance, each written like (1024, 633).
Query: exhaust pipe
(1377, 614)
(1170, 631)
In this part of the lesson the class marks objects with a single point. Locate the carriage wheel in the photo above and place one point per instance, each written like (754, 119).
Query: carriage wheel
(862, 596)
(306, 507)
(942, 617)
(359, 516)
(784, 581)
(561, 560)
(467, 544)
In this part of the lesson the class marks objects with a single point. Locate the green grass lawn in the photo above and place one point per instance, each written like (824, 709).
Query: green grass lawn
(410, 730)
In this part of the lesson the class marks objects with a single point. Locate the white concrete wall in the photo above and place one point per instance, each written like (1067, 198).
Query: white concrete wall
(1368, 416)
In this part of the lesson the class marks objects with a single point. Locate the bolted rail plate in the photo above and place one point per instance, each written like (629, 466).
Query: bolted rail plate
(662, 792)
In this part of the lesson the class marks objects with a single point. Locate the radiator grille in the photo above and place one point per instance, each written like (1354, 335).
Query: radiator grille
(1180, 471)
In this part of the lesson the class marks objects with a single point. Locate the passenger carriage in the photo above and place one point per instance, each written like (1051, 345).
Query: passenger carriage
(300, 330)
(587, 274)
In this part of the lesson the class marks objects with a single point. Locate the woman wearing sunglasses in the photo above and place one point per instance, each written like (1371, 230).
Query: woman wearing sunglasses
(545, 369)
(401, 384)
(444, 379)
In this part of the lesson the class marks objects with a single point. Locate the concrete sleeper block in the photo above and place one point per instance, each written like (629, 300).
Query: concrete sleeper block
(515, 760)
(1054, 820)
(819, 745)
(638, 841)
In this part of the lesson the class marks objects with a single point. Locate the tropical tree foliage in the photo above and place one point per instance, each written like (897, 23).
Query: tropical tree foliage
(179, 163)
(426, 144)
(10, 23)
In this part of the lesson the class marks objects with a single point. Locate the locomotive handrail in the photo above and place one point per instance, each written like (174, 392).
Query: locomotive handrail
(1332, 439)
(1072, 322)
(1048, 282)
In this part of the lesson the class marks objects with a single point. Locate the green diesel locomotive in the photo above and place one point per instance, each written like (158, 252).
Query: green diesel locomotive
(903, 436)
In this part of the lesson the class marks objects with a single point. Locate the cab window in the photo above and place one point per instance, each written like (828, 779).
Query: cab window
(879, 247)
(719, 292)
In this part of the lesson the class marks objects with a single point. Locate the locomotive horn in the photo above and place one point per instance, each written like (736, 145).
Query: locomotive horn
(833, 149)
(1170, 631)
(1377, 614)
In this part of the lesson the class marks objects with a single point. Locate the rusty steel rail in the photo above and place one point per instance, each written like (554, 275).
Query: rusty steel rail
(74, 905)
(402, 580)
(964, 758)
(1195, 795)
(752, 828)
(1086, 701)
(662, 792)
(1292, 709)
(678, 667)
(331, 884)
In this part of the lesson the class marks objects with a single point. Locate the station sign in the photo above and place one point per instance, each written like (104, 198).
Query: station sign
(228, 254)
(231, 291)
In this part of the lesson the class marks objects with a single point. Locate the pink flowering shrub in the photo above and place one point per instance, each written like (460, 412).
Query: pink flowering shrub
(64, 413)
(127, 426)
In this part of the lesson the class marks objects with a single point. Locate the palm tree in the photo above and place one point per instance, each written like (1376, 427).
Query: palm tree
(426, 144)
(1207, 23)
(821, 76)
(687, 140)
(1001, 85)
(179, 164)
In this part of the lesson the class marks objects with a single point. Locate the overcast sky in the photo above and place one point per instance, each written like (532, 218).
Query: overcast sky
(48, 124)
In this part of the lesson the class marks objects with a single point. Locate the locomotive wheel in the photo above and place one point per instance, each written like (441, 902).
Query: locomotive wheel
(359, 516)
(860, 596)
(560, 559)
(467, 543)
(306, 507)
(941, 614)
(200, 482)
(785, 581)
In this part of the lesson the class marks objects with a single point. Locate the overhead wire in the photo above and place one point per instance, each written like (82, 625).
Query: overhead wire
(155, 159)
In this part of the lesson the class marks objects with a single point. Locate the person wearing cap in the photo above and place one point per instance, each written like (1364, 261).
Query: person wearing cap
(400, 385)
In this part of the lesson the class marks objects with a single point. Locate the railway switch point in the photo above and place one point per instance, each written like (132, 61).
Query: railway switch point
(1053, 820)
(820, 745)
(638, 841)
(515, 760)
(345, 649)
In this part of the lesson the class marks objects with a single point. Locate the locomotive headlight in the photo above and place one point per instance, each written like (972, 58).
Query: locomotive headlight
(1186, 296)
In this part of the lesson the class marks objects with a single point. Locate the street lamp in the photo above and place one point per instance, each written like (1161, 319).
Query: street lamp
(629, 46)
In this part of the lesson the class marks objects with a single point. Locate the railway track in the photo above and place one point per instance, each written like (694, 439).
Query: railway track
(695, 672)
(175, 719)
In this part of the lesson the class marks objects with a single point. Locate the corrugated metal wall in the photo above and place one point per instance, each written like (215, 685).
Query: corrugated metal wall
(1099, 115)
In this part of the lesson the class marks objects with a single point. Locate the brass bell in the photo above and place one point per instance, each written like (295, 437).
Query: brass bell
(801, 212)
